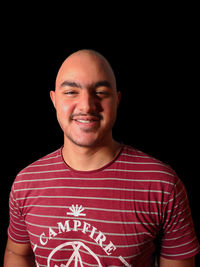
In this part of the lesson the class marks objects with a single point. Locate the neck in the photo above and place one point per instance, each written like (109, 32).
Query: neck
(89, 158)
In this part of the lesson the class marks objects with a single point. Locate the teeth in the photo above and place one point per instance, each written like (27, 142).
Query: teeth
(84, 121)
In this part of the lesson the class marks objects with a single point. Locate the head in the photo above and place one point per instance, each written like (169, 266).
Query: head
(86, 99)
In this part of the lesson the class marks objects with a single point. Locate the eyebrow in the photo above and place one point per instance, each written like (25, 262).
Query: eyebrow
(93, 86)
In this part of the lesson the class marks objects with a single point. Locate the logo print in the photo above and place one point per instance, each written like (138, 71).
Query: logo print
(76, 253)
(76, 211)
(75, 258)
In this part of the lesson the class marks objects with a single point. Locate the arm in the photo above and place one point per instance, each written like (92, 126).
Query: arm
(177, 263)
(18, 255)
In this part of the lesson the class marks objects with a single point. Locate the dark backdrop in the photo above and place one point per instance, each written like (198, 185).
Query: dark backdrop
(157, 76)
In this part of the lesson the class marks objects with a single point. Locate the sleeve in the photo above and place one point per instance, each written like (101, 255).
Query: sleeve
(17, 228)
(179, 240)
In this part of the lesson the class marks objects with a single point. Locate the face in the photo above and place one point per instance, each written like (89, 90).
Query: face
(86, 101)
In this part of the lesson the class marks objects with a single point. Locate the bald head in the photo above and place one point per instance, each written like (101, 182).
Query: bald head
(86, 100)
(86, 66)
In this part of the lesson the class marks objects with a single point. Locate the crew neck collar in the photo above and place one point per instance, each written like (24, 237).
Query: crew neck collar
(91, 171)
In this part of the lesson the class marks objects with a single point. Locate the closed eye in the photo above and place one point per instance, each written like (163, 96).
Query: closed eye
(70, 93)
(102, 93)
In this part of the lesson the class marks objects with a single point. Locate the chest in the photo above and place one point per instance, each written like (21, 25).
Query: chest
(98, 223)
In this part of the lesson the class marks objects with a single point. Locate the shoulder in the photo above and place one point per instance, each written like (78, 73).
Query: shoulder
(147, 166)
(39, 166)
(137, 156)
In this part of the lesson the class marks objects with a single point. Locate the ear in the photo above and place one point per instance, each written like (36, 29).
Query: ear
(52, 96)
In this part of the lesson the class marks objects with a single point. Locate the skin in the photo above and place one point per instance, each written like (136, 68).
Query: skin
(18, 255)
(86, 101)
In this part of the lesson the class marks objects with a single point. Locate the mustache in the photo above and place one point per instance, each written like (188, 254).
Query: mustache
(93, 114)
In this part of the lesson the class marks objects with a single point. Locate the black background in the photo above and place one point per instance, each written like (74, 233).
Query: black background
(155, 62)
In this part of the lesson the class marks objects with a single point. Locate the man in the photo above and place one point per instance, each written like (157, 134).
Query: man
(96, 202)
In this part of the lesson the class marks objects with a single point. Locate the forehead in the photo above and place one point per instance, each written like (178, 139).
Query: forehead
(85, 69)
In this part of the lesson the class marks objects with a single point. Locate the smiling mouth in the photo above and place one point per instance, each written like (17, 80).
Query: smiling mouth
(86, 119)
(87, 123)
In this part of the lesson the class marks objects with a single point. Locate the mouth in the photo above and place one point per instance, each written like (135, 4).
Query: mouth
(86, 120)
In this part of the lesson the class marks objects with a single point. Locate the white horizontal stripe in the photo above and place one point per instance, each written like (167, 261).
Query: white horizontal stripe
(178, 221)
(50, 164)
(173, 231)
(88, 208)
(176, 196)
(96, 198)
(178, 205)
(83, 251)
(126, 234)
(181, 254)
(49, 157)
(22, 230)
(133, 245)
(39, 172)
(142, 163)
(13, 208)
(139, 171)
(179, 213)
(87, 219)
(41, 226)
(100, 256)
(12, 202)
(179, 245)
(175, 238)
(179, 193)
(65, 259)
(14, 215)
(91, 188)
(73, 239)
(174, 216)
(17, 240)
(27, 236)
(96, 179)
(137, 156)
(97, 232)
(106, 170)
(13, 221)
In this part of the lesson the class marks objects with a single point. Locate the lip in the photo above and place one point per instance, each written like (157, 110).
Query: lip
(87, 124)
(86, 117)
(86, 121)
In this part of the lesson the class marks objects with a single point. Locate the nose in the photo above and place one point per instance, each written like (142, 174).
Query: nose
(88, 102)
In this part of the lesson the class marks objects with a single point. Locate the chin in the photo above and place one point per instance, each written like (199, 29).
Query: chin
(84, 142)
(89, 139)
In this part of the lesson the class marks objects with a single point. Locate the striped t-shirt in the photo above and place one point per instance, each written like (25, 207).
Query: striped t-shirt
(114, 216)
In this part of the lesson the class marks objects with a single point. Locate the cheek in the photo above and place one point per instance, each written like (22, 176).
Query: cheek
(64, 109)
(63, 113)
(110, 109)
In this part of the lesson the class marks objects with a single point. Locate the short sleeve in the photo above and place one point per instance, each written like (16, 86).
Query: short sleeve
(17, 228)
(179, 240)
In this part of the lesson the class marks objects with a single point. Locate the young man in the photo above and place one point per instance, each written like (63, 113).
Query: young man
(95, 202)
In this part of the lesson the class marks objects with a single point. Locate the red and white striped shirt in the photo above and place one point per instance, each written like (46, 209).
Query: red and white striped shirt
(108, 217)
